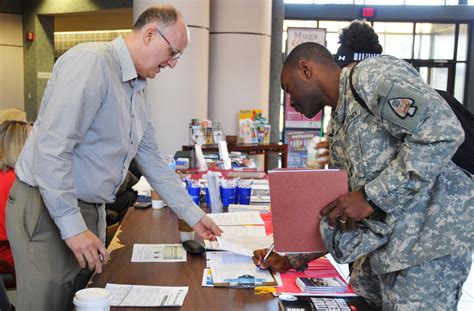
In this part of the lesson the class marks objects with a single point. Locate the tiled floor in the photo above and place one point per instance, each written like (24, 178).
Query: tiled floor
(467, 298)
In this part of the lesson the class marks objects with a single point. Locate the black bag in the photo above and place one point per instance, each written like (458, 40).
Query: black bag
(464, 156)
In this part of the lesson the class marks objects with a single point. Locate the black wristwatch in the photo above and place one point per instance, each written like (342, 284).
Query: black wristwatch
(374, 206)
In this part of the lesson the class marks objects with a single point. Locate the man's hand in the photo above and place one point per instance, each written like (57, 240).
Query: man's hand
(86, 246)
(274, 262)
(207, 229)
(347, 210)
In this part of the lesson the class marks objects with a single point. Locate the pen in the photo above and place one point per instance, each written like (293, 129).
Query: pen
(270, 251)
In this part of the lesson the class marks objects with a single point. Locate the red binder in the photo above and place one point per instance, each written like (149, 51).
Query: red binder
(297, 197)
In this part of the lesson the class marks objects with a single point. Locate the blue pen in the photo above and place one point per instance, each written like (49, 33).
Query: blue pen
(270, 251)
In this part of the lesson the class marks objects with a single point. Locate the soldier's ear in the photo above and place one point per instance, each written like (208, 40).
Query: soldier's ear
(305, 69)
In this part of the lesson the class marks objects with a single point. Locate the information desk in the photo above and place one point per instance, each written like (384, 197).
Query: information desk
(161, 227)
(253, 149)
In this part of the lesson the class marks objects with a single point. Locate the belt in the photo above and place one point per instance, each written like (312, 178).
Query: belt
(88, 203)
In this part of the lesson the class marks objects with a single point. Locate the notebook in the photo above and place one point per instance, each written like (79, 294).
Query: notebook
(297, 198)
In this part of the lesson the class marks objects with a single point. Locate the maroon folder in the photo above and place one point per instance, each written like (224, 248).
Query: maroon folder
(297, 197)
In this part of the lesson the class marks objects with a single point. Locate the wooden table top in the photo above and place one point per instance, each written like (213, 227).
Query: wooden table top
(161, 227)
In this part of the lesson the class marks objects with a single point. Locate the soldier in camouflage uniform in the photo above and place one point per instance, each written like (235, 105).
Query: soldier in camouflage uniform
(398, 158)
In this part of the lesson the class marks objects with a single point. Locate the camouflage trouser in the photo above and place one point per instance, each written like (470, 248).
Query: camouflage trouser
(435, 285)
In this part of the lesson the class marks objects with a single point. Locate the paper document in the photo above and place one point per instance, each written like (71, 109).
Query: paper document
(244, 245)
(146, 296)
(236, 230)
(226, 258)
(262, 209)
(237, 219)
(158, 253)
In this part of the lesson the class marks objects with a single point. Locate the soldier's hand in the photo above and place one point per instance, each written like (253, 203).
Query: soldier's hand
(346, 210)
(274, 262)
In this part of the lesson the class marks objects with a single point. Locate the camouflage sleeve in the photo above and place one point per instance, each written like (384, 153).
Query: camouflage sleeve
(299, 262)
(424, 125)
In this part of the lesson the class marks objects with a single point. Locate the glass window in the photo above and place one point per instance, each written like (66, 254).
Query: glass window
(462, 42)
(395, 38)
(424, 2)
(434, 41)
(333, 2)
(387, 2)
(459, 81)
(333, 26)
(299, 1)
(332, 42)
(439, 78)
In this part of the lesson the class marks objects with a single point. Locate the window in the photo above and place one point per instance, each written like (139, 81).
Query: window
(395, 38)
(434, 41)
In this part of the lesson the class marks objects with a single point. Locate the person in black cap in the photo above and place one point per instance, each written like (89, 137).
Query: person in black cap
(358, 42)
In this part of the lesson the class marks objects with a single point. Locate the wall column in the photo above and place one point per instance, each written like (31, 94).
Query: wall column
(276, 61)
(239, 59)
(180, 94)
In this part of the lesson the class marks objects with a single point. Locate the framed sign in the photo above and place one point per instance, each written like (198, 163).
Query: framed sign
(296, 36)
(298, 146)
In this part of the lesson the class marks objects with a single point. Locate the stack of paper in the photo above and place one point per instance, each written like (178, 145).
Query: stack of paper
(243, 233)
(262, 209)
(260, 192)
(320, 285)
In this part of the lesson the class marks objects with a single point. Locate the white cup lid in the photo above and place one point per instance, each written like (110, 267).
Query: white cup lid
(92, 295)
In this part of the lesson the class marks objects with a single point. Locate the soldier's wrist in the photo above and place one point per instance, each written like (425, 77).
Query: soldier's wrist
(371, 203)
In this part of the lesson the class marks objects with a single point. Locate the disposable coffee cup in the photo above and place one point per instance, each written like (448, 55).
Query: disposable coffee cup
(92, 299)
(156, 201)
(186, 232)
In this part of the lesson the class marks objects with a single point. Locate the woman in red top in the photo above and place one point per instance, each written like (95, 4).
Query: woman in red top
(13, 135)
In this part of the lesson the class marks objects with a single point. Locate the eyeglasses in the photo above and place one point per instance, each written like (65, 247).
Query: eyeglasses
(175, 53)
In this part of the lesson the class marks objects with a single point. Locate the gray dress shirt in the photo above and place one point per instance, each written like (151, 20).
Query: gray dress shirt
(95, 117)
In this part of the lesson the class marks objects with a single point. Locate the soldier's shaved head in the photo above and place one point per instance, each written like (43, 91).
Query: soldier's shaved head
(309, 51)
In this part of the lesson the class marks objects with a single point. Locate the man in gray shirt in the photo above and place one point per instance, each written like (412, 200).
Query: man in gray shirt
(94, 119)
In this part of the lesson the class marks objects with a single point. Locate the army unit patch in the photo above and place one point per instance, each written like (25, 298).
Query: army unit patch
(402, 107)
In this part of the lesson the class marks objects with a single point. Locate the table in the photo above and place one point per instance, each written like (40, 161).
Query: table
(160, 227)
(252, 149)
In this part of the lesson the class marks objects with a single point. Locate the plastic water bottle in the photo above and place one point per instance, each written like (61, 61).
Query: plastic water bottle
(171, 163)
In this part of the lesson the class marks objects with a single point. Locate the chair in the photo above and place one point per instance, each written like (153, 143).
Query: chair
(9, 278)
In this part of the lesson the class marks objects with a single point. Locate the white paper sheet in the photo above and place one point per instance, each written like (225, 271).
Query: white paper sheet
(226, 258)
(146, 296)
(237, 219)
(236, 230)
(158, 253)
(244, 245)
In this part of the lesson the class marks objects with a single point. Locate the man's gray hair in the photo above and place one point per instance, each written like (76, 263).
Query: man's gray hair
(164, 15)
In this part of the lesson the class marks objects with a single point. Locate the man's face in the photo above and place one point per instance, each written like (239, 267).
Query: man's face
(306, 95)
(164, 47)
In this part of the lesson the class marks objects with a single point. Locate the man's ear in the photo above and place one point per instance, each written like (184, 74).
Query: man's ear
(148, 33)
(305, 69)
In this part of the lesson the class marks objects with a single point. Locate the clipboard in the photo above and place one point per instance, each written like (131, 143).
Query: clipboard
(245, 281)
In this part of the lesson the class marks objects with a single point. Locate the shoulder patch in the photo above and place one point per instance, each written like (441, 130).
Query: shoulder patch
(405, 106)
(402, 107)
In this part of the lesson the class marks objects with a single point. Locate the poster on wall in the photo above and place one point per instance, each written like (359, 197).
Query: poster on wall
(298, 146)
(296, 36)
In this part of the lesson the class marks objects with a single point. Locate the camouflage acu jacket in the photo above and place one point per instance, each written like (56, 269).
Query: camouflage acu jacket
(401, 154)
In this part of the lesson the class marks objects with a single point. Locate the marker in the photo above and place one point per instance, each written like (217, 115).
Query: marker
(270, 251)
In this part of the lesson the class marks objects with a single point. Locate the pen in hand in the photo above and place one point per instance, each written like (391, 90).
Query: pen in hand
(270, 251)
